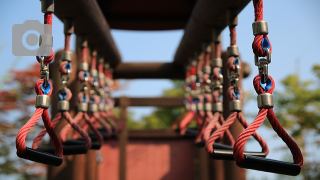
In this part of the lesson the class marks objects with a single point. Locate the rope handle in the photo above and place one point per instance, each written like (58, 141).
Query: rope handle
(40, 111)
(263, 113)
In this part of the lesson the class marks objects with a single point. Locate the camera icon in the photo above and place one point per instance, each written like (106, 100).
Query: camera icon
(25, 39)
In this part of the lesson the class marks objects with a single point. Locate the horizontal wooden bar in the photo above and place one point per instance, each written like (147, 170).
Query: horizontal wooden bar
(158, 134)
(89, 20)
(157, 70)
(146, 70)
(154, 101)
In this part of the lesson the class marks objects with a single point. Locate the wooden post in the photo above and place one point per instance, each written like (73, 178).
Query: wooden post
(232, 171)
(124, 102)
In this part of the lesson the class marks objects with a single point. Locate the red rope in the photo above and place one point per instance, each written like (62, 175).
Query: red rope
(42, 133)
(47, 20)
(93, 62)
(233, 35)
(263, 113)
(22, 134)
(67, 42)
(256, 45)
(186, 121)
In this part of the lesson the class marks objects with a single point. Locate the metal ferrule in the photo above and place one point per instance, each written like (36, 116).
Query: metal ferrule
(235, 106)
(217, 107)
(193, 107)
(46, 40)
(101, 92)
(188, 80)
(208, 107)
(200, 106)
(101, 76)
(188, 106)
(107, 107)
(207, 69)
(194, 93)
(101, 107)
(260, 28)
(193, 78)
(63, 106)
(93, 72)
(265, 100)
(83, 107)
(83, 67)
(47, 6)
(93, 108)
(66, 56)
(217, 62)
(200, 74)
(233, 50)
(42, 101)
(68, 26)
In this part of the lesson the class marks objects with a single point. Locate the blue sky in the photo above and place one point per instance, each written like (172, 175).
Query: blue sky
(293, 31)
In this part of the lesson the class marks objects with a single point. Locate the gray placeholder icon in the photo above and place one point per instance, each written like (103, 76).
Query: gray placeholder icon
(32, 39)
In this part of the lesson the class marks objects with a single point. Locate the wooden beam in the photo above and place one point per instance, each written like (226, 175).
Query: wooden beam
(157, 70)
(145, 70)
(147, 15)
(158, 134)
(154, 101)
(89, 20)
(207, 15)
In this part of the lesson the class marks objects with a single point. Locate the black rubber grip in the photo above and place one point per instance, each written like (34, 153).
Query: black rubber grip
(225, 154)
(215, 146)
(41, 157)
(82, 142)
(94, 137)
(67, 149)
(270, 165)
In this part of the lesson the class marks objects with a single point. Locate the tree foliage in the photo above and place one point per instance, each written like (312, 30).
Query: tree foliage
(298, 112)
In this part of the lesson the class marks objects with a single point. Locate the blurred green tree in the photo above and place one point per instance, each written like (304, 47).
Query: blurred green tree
(297, 108)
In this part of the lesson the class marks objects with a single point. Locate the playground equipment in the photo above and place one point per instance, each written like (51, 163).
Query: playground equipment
(205, 88)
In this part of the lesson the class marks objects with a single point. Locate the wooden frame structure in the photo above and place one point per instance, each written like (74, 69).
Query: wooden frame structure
(198, 18)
